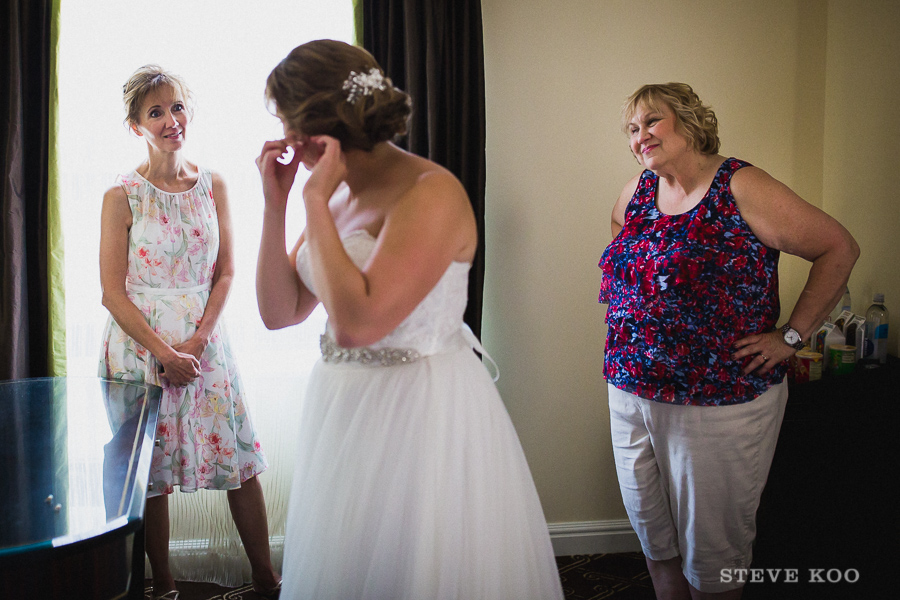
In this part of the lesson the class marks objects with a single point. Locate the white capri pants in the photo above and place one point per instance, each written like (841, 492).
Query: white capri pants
(691, 478)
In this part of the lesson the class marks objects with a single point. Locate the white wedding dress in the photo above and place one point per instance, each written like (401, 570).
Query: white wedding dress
(410, 482)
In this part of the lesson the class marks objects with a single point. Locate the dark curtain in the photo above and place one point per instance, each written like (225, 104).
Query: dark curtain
(24, 130)
(433, 50)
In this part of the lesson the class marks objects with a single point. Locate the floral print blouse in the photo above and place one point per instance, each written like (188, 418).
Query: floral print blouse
(681, 290)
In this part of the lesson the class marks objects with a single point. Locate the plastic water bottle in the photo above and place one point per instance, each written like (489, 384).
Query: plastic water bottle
(877, 330)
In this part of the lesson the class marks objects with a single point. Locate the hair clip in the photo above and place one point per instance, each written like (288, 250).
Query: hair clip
(363, 84)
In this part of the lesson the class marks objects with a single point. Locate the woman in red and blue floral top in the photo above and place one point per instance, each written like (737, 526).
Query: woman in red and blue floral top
(695, 358)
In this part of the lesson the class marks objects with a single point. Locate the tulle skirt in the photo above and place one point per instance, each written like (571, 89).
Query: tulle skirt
(411, 484)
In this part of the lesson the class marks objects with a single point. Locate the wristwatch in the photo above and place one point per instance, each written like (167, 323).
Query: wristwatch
(791, 337)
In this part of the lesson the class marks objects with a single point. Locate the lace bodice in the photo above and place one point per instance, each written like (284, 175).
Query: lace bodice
(434, 323)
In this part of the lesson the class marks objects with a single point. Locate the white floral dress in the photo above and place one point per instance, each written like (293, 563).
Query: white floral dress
(206, 436)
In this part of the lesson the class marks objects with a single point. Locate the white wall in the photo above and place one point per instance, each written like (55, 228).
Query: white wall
(557, 74)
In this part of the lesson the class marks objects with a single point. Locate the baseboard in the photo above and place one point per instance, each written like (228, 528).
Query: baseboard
(593, 537)
(568, 539)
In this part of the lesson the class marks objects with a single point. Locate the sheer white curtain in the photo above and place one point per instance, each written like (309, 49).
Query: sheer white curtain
(224, 49)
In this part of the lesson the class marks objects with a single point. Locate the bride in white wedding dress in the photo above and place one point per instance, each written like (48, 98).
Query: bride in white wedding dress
(410, 481)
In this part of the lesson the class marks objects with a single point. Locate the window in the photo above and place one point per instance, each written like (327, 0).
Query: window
(224, 49)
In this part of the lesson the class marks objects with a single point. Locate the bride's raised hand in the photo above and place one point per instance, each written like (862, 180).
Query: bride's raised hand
(323, 155)
(277, 164)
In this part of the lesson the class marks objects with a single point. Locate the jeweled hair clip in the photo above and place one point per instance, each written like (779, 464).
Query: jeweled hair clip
(358, 85)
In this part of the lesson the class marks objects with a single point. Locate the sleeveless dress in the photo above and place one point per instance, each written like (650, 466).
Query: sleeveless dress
(206, 436)
(410, 480)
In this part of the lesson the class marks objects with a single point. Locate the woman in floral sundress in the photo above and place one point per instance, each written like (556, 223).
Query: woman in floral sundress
(166, 267)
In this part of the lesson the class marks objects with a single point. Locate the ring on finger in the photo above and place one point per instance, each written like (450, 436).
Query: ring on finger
(764, 357)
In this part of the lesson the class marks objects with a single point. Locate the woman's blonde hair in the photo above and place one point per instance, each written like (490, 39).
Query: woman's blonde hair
(147, 80)
(308, 90)
(697, 121)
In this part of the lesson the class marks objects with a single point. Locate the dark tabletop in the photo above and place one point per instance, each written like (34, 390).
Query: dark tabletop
(76, 454)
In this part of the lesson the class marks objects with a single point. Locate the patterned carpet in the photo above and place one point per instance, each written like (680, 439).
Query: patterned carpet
(584, 577)
(600, 576)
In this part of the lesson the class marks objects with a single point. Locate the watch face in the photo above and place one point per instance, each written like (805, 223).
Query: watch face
(791, 337)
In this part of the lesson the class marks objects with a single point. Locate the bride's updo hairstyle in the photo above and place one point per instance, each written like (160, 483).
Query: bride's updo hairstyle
(326, 87)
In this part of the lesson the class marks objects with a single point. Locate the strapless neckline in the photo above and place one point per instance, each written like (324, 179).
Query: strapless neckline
(365, 233)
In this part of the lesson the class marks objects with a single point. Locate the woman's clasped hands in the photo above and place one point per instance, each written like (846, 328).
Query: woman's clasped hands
(180, 367)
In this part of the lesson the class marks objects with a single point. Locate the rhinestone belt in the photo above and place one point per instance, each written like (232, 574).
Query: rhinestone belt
(386, 357)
